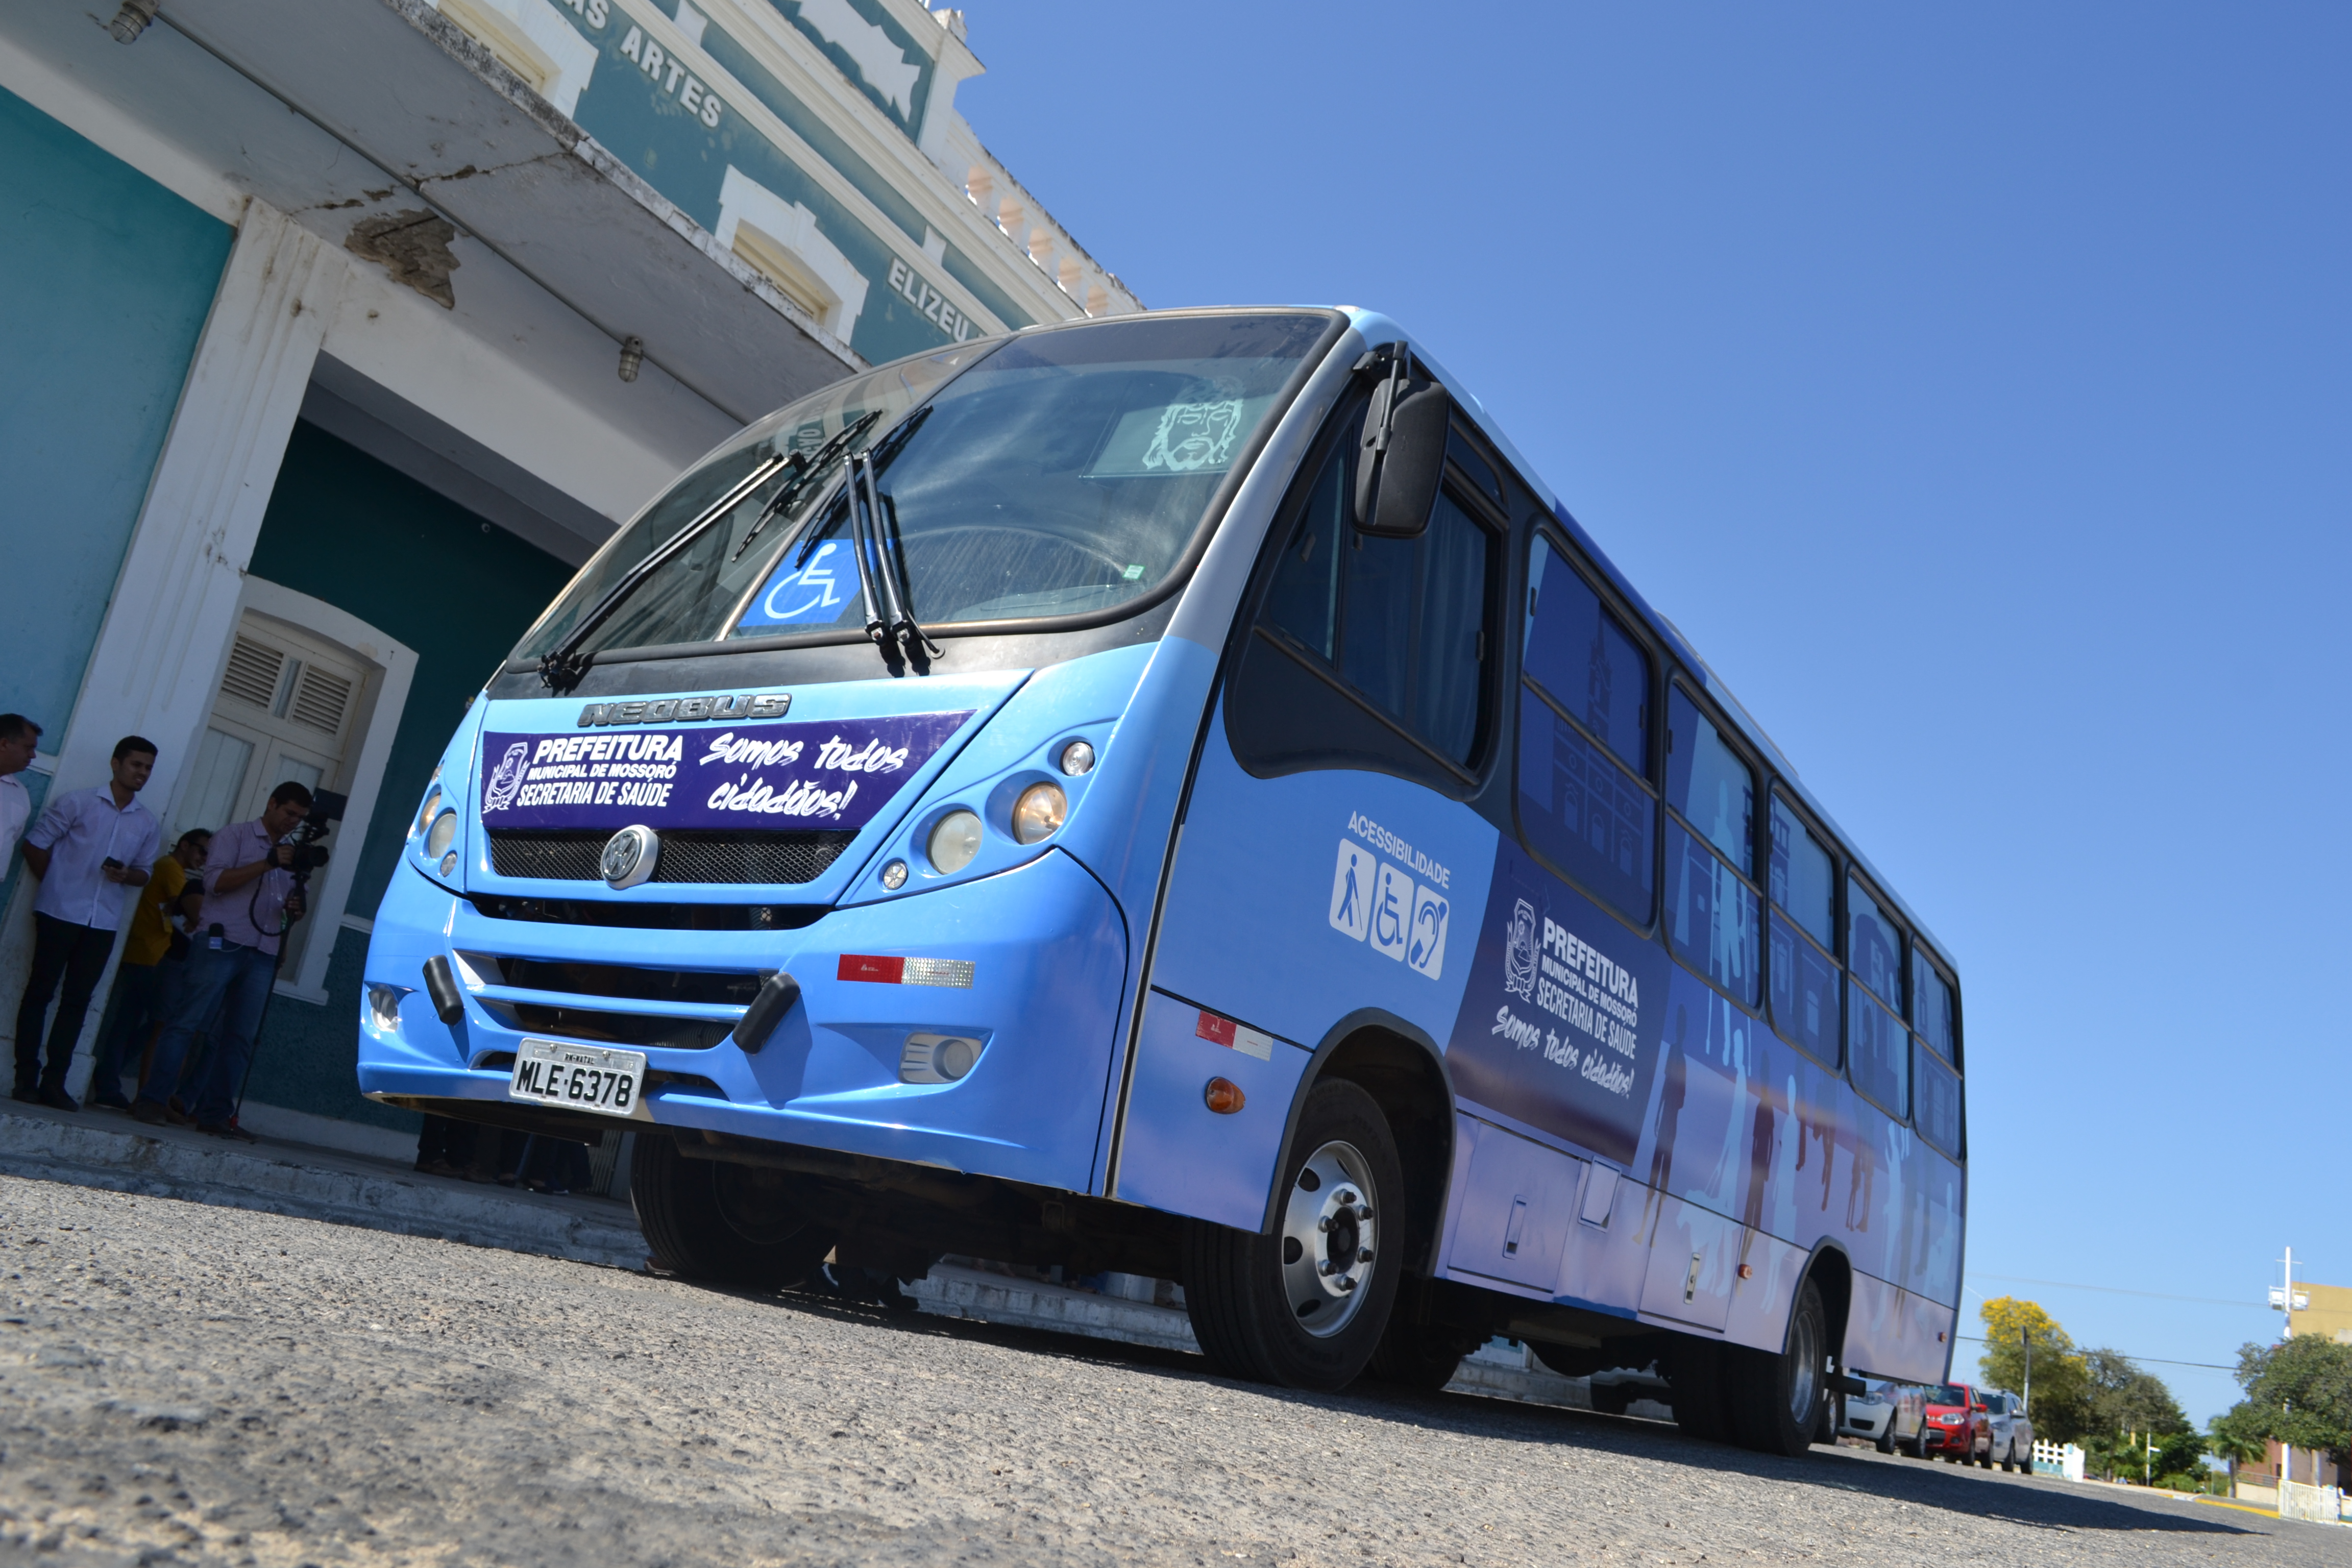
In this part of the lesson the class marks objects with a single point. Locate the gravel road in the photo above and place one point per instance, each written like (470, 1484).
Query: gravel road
(191, 1384)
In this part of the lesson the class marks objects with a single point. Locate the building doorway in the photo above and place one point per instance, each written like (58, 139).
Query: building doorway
(286, 710)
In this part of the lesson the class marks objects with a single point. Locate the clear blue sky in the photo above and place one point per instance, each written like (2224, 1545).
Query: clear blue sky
(1971, 385)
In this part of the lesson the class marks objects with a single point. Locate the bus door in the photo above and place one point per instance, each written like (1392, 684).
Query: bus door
(1326, 842)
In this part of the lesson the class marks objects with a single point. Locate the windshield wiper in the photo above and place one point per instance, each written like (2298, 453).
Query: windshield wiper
(868, 512)
(563, 665)
(814, 464)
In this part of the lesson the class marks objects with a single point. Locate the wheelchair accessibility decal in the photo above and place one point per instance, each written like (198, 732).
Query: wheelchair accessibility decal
(1375, 901)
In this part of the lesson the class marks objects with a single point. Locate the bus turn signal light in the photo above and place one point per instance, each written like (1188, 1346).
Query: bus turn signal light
(1224, 1096)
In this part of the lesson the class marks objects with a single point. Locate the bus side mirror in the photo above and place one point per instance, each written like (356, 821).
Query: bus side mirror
(1403, 454)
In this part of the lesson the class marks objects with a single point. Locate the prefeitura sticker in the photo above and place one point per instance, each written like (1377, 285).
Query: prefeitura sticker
(765, 777)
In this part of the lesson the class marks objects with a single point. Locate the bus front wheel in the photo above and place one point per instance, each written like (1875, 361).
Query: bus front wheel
(720, 1222)
(1305, 1306)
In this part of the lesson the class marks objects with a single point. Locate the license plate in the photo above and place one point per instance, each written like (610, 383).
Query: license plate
(578, 1077)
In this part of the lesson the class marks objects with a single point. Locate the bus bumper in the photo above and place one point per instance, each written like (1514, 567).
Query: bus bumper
(1046, 950)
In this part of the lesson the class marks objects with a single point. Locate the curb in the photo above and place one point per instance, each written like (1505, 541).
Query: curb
(234, 1177)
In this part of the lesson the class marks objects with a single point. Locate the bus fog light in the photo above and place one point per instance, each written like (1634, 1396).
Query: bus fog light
(383, 1007)
(449, 864)
(894, 874)
(954, 842)
(937, 1058)
(1078, 758)
(441, 834)
(1039, 813)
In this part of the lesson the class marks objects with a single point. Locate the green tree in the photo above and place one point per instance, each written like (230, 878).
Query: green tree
(2061, 1377)
(2228, 1440)
(2124, 1398)
(2298, 1390)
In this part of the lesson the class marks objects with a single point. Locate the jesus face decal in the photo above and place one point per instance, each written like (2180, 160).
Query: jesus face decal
(1194, 435)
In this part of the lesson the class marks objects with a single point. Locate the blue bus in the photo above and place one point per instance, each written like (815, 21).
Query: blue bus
(1016, 802)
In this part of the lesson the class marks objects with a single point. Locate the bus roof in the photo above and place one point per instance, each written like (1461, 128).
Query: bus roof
(1376, 328)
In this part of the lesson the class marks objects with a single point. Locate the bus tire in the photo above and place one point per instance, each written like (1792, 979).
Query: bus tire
(1776, 1398)
(720, 1222)
(1260, 1305)
(1414, 1355)
(1695, 1372)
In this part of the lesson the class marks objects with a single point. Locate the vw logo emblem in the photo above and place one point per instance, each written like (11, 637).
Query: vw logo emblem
(629, 856)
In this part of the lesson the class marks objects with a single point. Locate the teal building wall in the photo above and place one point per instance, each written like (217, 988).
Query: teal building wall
(106, 278)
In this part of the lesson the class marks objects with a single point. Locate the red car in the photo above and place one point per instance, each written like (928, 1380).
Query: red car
(1957, 1426)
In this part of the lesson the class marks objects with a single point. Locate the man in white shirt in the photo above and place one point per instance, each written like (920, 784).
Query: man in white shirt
(19, 739)
(91, 847)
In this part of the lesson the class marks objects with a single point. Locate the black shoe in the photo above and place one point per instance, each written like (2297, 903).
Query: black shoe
(59, 1100)
(106, 1100)
(148, 1111)
(225, 1130)
(27, 1094)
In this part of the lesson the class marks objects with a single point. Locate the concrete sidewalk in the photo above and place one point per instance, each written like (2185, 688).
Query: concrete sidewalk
(101, 1149)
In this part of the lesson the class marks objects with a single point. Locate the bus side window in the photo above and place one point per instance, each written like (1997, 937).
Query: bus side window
(1931, 1005)
(1585, 805)
(1804, 976)
(1937, 1106)
(1398, 626)
(1712, 912)
(1877, 1045)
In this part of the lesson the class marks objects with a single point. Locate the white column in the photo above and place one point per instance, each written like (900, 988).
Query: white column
(164, 642)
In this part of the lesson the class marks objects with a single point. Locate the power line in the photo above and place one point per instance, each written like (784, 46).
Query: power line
(2119, 1291)
(2160, 1361)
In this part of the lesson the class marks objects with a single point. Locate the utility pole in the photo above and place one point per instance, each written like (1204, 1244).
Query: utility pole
(2025, 1399)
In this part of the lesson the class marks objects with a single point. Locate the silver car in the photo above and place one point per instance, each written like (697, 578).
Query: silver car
(2012, 1431)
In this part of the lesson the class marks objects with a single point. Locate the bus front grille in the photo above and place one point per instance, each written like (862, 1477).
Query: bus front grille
(767, 859)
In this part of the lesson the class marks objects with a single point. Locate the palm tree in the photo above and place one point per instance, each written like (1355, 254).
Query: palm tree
(2232, 1447)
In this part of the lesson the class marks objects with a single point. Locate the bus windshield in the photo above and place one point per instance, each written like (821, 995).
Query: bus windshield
(1064, 473)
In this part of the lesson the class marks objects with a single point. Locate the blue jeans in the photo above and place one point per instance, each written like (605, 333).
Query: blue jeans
(234, 981)
(138, 991)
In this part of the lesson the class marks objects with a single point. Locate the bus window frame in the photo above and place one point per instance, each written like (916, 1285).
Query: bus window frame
(1759, 845)
(1547, 532)
(1854, 875)
(1775, 790)
(1951, 978)
(1900, 1006)
(1486, 748)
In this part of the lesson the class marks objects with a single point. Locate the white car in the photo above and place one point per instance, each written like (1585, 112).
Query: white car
(2012, 1431)
(1890, 1413)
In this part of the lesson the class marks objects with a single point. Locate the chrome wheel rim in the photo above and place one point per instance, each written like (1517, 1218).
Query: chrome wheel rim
(1328, 1236)
(1805, 1372)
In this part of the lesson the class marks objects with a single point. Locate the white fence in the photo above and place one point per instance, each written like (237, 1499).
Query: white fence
(2056, 1459)
(2323, 1505)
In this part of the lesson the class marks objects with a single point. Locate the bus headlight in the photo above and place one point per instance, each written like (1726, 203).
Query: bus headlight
(1039, 813)
(953, 842)
(442, 832)
(425, 811)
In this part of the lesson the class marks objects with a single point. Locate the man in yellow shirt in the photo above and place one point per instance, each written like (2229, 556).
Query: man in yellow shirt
(171, 896)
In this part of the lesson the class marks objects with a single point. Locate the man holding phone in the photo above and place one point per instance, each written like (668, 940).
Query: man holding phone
(91, 847)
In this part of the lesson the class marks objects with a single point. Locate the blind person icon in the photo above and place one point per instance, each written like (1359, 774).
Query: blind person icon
(1352, 890)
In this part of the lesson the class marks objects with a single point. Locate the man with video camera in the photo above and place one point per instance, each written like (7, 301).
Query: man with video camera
(252, 894)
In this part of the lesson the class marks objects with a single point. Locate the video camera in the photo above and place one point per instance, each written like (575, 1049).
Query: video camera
(326, 810)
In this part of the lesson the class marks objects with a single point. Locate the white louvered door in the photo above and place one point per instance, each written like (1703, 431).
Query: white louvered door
(285, 710)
